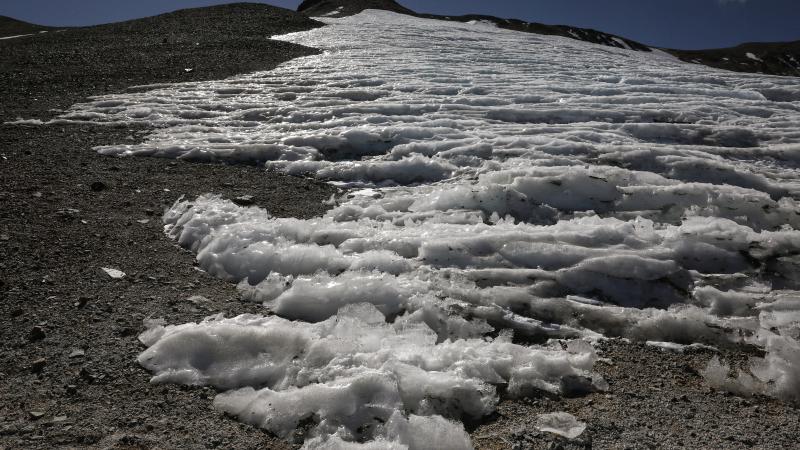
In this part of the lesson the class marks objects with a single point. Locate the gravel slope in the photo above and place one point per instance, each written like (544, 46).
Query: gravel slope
(57, 69)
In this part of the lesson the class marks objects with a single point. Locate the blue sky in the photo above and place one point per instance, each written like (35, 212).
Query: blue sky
(667, 23)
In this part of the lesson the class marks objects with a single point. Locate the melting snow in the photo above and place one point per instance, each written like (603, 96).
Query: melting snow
(518, 185)
(753, 57)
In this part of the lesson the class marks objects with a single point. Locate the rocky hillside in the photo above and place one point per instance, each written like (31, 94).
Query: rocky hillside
(776, 58)
(187, 45)
(14, 27)
(341, 8)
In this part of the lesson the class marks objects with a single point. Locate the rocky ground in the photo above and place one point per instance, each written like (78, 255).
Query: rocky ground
(68, 371)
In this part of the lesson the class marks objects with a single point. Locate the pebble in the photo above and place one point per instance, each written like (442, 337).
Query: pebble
(36, 414)
(97, 186)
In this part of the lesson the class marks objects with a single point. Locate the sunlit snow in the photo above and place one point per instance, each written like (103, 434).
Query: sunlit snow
(520, 188)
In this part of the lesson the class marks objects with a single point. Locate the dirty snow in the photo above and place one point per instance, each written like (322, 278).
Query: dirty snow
(514, 192)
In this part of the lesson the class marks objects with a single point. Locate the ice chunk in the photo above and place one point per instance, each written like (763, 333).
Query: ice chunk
(114, 273)
(560, 423)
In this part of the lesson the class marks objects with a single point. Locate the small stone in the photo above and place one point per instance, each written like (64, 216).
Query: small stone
(36, 334)
(97, 186)
(86, 374)
(38, 365)
(35, 415)
(37, 194)
(58, 419)
(4, 237)
(143, 221)
(71, 389)
(82, 301)
(244, 200)
(576, 386)
(77, 353)
(69, 213)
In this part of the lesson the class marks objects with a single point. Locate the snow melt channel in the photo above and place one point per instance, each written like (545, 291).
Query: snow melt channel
(524, 189)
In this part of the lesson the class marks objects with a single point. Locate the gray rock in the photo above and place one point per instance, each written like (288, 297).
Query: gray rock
(36, 334)
(38, 365)
(98, 186)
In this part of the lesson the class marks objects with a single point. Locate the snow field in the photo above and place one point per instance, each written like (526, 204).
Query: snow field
(520, 196)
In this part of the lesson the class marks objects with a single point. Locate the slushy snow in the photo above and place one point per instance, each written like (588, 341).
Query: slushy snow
(515, 197)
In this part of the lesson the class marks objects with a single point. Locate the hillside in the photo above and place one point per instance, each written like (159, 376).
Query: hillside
(13, 27)
(776, 58)
(340, 8)
(187, 45)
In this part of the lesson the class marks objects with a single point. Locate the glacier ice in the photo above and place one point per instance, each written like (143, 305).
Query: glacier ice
(514, 197)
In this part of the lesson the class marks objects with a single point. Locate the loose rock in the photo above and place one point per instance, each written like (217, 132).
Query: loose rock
(36, 334)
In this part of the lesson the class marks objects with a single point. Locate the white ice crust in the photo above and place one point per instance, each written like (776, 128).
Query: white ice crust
(515, 185)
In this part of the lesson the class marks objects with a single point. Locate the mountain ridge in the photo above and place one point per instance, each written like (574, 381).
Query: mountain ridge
(10, 26)
(772, 58)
